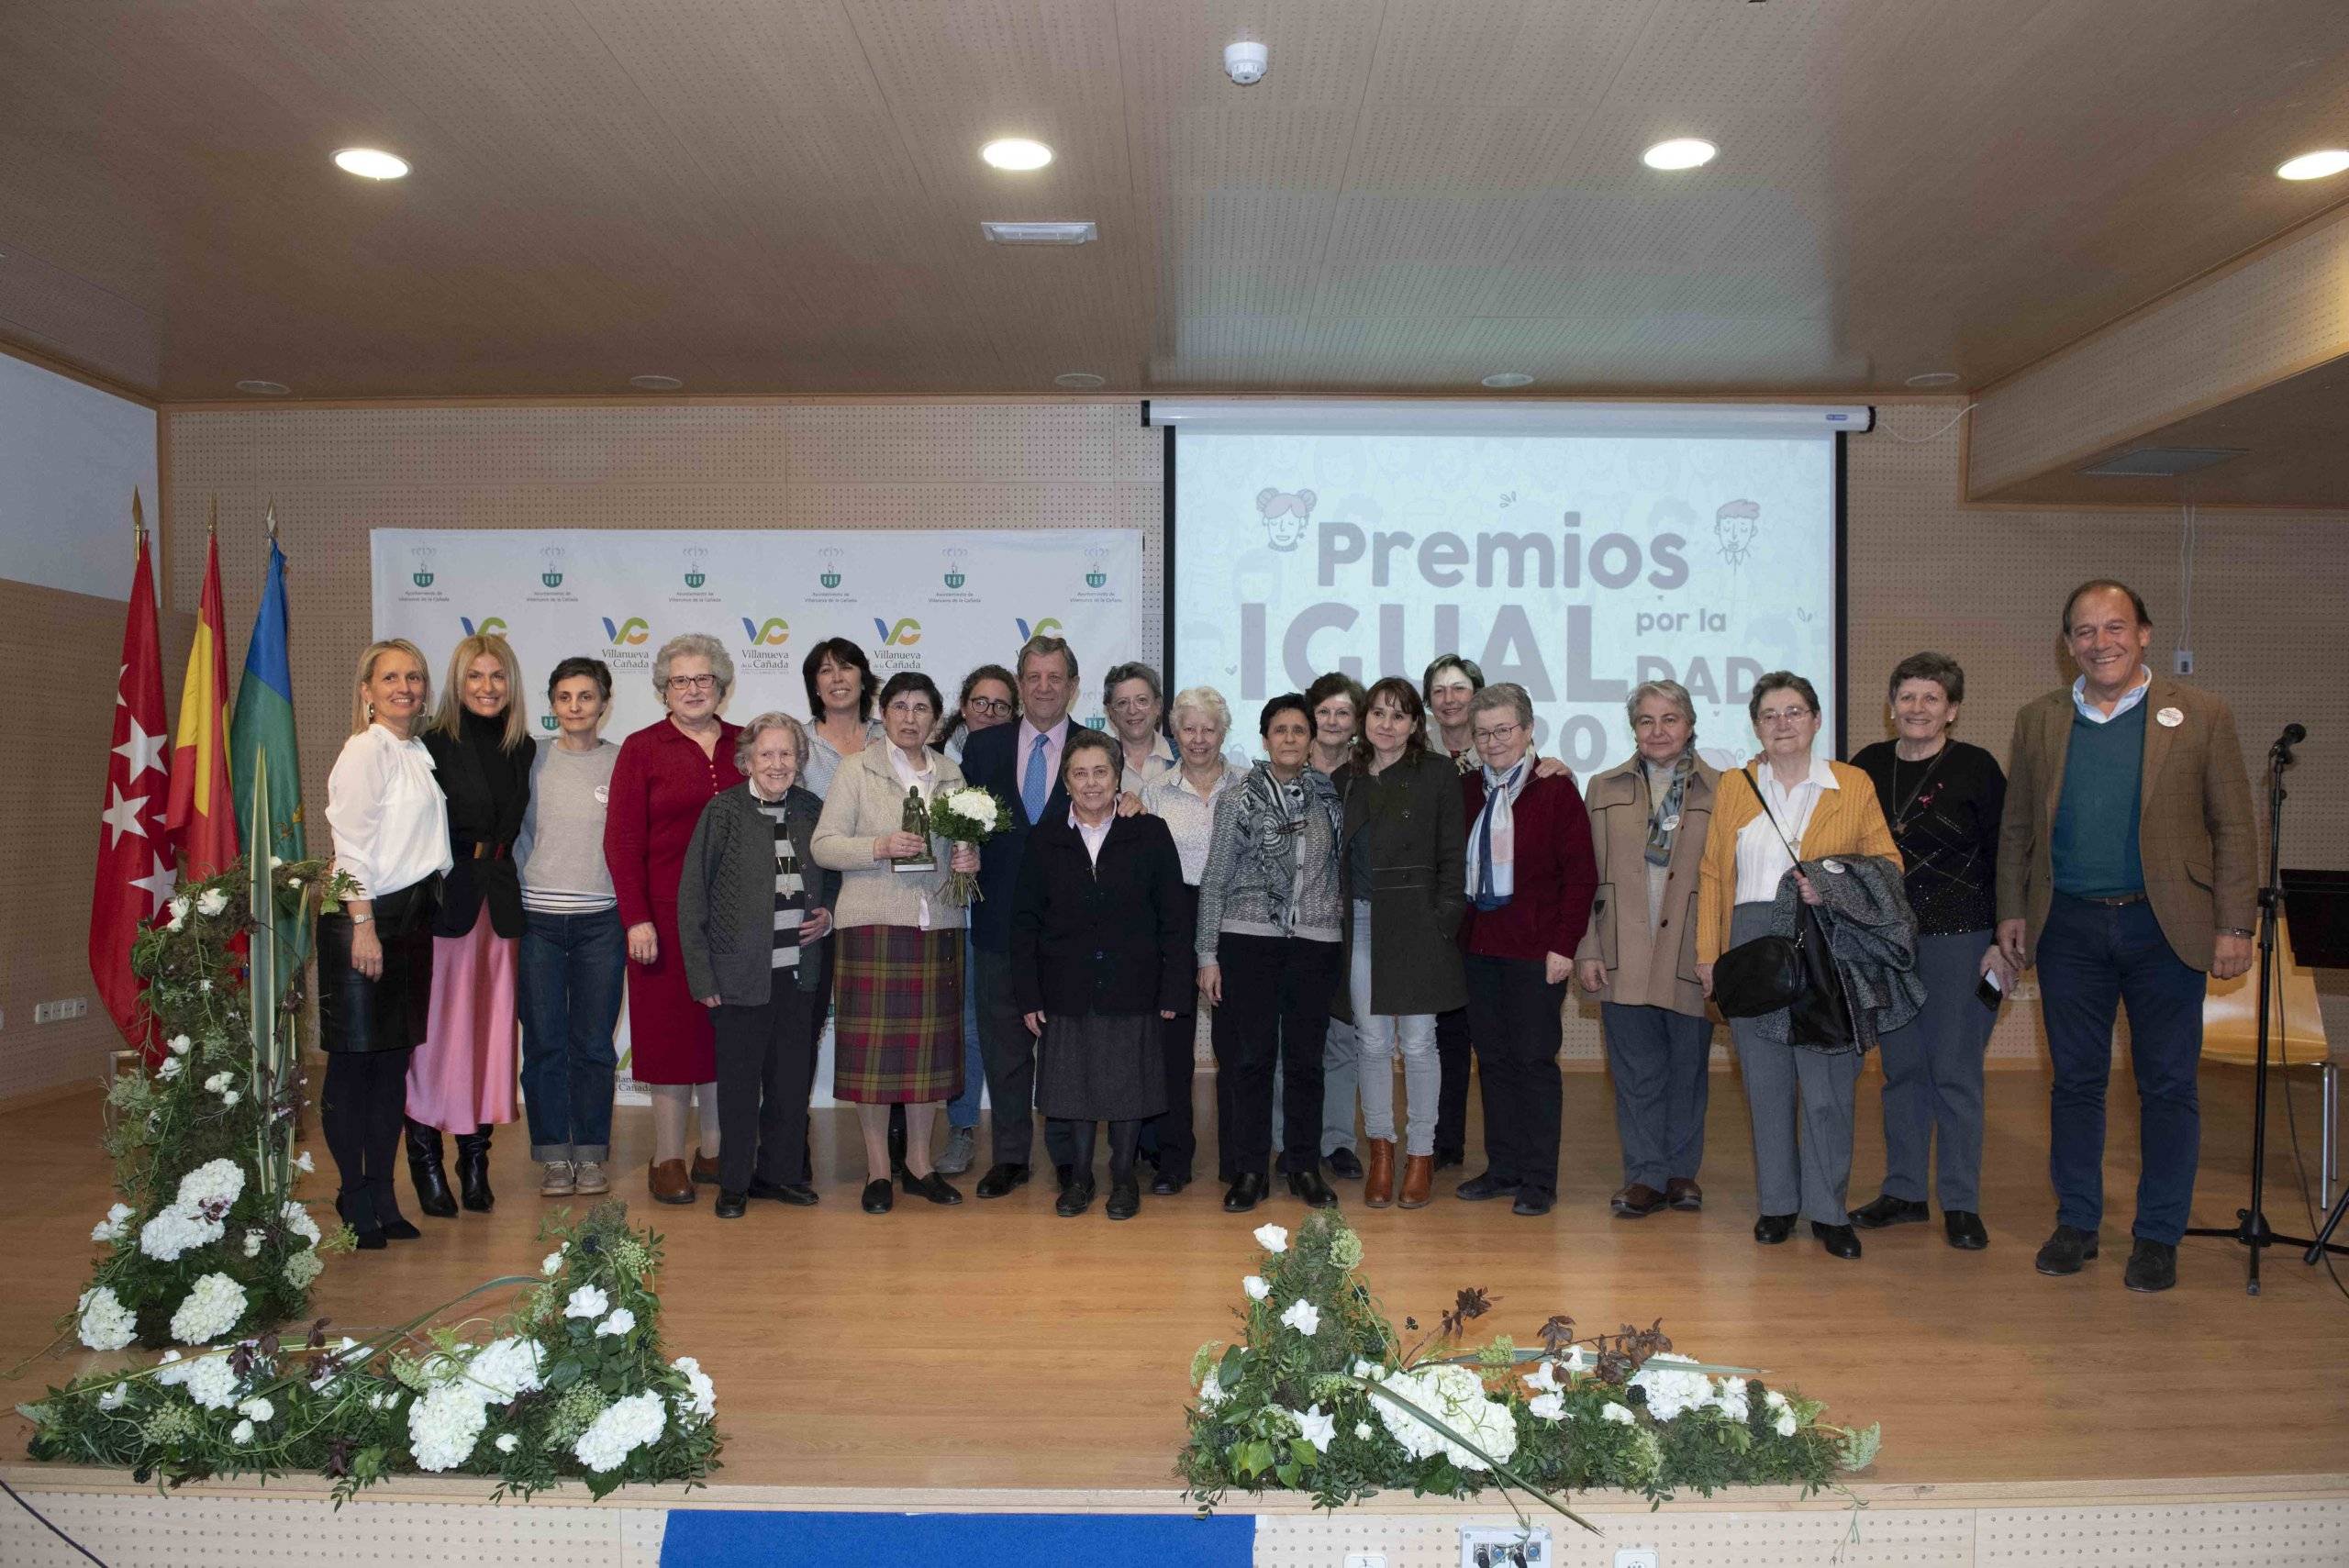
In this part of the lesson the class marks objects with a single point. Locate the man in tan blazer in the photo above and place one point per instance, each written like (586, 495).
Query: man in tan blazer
(1648, 819)
(2125, 873)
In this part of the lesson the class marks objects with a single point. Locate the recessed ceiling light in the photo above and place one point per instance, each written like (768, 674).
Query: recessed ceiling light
(370, 163)
(2314, 165)
(263, 388)
(1080, 232)
(1933, 378)
(1680, 152)
(1505, 379)
(655, 382)
(1017, 152)
(1082, 380)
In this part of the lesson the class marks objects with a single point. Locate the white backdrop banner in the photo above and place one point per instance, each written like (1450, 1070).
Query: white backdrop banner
(930, 600)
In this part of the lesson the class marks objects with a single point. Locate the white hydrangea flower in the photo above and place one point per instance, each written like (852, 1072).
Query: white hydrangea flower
(1785, 1425)
(625, 1426)
(552, 1264)
(1548, 1407)
(242, 1433)
(1455, 1396)
(444, 1425)
(504, 1370)
(1671, 1390)
(1619, 1414)
(176, 1230)
(213, 901)
(107, 1324)
(297, 1219)
(587, 1301)
(219, 1182)
(507, 1443)
(1211, 1393)
(258, 1410)
(704, 1391)
(210, 1310)
(1272, 1239)
(1369, 1372)
(208, 1379)
(115, 1226)
(1731, 1398)
(1361, 1431)
(620, 1322)
(1303, 1317)
(218, 1081)
(1255, 1287)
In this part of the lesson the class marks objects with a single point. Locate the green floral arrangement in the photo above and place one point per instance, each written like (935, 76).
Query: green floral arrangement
(572, 1385)
(209, 1241)
(1320, 1395)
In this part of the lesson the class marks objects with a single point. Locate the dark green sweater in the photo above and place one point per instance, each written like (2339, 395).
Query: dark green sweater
(2094, 847)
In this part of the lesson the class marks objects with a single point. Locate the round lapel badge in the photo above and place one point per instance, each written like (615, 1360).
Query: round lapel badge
(2169, 719)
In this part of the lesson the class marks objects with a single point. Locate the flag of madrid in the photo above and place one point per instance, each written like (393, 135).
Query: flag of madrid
(134, 876)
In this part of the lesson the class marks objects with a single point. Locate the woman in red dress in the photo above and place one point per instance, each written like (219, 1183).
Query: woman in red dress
(665, 775)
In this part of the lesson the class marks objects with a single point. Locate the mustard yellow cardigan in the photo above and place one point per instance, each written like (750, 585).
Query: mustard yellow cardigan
(1846, 821)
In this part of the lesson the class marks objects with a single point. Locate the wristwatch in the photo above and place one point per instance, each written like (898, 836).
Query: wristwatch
(2232, 932)
(362, 919)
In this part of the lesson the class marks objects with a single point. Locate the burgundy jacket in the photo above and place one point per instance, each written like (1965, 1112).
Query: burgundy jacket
(1557, 873)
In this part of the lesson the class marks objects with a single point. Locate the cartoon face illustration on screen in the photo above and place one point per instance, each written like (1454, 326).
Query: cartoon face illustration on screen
(1286, 514)
(1734, 525)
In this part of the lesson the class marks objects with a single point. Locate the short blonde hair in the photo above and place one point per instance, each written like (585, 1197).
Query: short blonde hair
(1204, 700)
(361, 712)
(694, 645)
(448, 716)
(748, 741)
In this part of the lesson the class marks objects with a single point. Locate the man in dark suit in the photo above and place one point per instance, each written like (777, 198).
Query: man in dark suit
(1021, 763)
(2125, 872)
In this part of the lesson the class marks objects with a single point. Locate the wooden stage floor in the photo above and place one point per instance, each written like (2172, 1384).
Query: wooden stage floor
(997, 1346)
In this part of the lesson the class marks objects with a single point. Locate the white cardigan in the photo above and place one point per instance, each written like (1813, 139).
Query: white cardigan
(867, 800)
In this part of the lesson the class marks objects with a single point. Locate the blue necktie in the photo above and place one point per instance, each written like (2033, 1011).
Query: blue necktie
(1034, 789)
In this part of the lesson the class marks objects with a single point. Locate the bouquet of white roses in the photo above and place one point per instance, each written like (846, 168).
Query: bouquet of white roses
(967, 816)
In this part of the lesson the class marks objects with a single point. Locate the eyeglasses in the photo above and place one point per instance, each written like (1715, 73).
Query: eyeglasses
(1784, 714)
(1134, 705)
(1497, 734)
(692, 683)
(995, 707)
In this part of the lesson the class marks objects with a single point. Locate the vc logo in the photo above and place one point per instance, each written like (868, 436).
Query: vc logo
(774, 634)
(628, 633)
(490, 626)
(904, 634)
(1047, 627)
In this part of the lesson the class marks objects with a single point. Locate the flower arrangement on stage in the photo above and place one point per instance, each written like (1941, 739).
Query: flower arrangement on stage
(209, 1241)
(1321, 1395)
(573, 1386)
(966, 816)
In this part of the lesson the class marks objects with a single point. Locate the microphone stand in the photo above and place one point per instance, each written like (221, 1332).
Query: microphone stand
(2252, 1230)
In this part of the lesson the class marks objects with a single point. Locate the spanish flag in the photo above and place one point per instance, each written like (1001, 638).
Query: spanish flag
(203, 819)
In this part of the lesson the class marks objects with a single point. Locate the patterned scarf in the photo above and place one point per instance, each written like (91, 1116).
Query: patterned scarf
(1492, 841)
(1663, 823)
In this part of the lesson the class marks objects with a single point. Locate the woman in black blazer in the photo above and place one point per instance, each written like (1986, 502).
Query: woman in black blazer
(1100, 957)
(461, 1079)
(1400, 859)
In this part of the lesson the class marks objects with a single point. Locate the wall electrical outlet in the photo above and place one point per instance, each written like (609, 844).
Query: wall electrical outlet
(1635, 1557)
(1506, 1546)
(2185, 660)
(57, 1012)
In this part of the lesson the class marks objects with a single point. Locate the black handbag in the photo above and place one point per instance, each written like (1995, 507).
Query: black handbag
(1794, 973)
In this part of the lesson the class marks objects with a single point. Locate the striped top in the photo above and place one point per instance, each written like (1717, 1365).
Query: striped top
(790, 891)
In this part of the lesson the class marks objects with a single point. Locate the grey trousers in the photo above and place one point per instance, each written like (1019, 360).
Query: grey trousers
(1661, 1063)
(1010, 1054)
(1932, 1077)
(1341, 1081)
(1802, 1154)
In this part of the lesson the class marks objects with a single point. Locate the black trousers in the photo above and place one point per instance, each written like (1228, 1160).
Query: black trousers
(1513, 1013)
(361, 1109)
(1451, 1096)
(1170, 1138)
(1009, 1051)
(1277, 990)
(766, 1057)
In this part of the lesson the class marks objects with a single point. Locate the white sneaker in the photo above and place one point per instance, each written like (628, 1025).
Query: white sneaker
(558, 1181)
(962, 1148)
(587, 1179)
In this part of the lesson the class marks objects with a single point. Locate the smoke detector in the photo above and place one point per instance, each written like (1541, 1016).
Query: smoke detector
(1246, 63)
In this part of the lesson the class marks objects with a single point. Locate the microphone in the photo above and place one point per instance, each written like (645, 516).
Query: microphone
(2293, 734)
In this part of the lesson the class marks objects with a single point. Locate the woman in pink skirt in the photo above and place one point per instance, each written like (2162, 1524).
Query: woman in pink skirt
(462, 1078)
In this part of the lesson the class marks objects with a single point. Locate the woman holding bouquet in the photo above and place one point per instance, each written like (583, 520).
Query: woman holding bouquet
(897, 1004)
(1099, 962)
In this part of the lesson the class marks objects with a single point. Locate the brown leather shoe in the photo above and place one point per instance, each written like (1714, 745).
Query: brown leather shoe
(705, 1174)
(1419, 1177)
(1636, 1202)
(670, 1182)
(1682, 1193)
(1378, 1177)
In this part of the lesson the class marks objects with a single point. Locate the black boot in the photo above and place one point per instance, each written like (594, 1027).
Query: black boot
(386, 1202)
(359, 1213)
(472, 1170)
(432, 1194)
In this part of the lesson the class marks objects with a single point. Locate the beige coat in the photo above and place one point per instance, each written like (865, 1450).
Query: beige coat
(2196, 835)
(1647, 968)
(866, 801)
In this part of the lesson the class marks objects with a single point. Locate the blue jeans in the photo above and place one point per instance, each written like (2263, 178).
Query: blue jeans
(2092, 960)
(570, 978)
(962, 1110)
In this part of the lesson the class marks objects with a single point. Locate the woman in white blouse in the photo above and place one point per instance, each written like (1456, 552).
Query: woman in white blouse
(391, 837)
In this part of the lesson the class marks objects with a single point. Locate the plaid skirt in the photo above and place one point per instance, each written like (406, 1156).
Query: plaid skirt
(897, 1015)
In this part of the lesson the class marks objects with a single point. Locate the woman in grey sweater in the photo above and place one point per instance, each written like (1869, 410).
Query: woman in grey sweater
(752, 909)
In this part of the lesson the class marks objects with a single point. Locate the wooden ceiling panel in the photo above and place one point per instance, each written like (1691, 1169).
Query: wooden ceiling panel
(784, 195)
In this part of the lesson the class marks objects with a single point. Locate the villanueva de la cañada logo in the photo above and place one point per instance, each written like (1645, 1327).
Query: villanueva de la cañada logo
(773, 632)
(488, 626)
(631, 632)
(1044, 627)
(904, 633)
